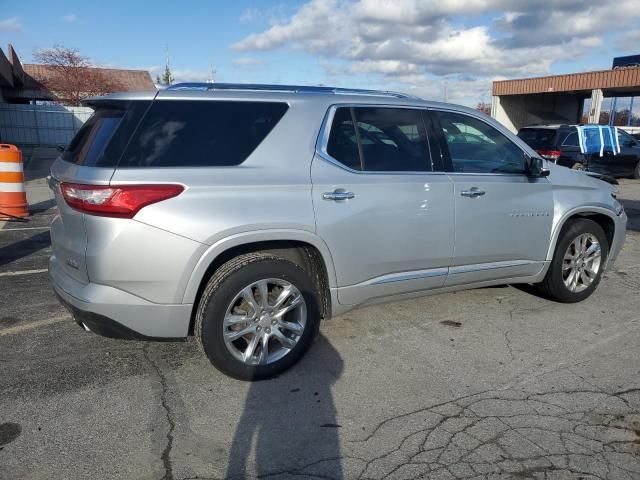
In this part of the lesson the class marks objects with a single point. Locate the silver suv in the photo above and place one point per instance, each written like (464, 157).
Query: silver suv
(244, 215)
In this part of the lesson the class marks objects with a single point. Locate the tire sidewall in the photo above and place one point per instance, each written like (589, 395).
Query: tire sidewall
(569, 234)
(217, 303)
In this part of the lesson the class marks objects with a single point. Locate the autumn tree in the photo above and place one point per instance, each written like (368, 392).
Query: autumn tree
(70, 76)
(484, 107)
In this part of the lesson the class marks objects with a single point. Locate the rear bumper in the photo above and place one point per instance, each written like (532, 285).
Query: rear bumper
(112, 312)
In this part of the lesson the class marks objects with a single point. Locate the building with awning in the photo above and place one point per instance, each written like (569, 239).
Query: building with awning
(610, 97)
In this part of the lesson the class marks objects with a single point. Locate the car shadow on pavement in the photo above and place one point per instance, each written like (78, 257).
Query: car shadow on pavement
(632, 208)
(23, 248)
(291, 421)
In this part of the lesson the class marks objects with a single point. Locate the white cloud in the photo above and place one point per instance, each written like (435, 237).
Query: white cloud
(249, 62)
(400, 40)
(278, 13)
(10, 25)
(70, 18)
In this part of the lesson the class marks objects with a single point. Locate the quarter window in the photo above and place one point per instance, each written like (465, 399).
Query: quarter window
(177, 133)
(477, 147)
(380, 139)
(571, 140)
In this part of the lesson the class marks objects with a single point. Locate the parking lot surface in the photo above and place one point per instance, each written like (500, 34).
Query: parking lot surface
(488, 383)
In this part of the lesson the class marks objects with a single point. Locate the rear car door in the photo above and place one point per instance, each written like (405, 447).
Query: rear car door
(569, 148)
(503, 217)
(383, 207)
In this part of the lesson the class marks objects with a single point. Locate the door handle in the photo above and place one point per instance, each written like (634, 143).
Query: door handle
(338, 195)
(473, 192)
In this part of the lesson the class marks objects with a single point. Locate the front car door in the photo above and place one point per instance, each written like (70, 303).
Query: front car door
(629, 155)
(381, 205)
(503, 218)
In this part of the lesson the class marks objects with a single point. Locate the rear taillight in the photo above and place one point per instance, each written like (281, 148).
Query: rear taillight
(122, 201)
(552, 155)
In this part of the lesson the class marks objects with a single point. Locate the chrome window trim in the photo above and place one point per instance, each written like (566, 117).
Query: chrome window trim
(325, 130)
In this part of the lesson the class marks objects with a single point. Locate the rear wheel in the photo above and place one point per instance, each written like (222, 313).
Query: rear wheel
(257, 316)
(636, 172)
(578, 261)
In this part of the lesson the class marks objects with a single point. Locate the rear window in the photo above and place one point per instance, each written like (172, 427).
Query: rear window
(88, 146)
(102, 138)
(539, 138)
(200, 133)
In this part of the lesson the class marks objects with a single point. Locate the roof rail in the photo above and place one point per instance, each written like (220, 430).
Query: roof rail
(283, 88)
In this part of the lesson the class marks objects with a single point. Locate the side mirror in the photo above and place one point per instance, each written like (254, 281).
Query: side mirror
(536, 167)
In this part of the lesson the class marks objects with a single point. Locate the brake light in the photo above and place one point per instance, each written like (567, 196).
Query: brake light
(552, 155)
(122, 201)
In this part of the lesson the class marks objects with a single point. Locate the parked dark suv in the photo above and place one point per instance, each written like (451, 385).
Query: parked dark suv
(559, 144)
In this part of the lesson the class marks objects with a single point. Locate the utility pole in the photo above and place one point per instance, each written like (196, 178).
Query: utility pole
(445, 90)
(212, 74)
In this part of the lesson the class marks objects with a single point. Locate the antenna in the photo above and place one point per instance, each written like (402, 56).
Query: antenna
(212, 73)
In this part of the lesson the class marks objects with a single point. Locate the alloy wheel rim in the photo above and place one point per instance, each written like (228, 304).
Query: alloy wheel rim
(581, 262)
(264, 321)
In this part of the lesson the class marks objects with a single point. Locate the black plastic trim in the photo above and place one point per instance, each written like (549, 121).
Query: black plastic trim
(107, 327)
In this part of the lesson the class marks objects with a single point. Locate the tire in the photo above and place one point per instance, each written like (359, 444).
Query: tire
(636, 172)
(225, 289)
(554, 284)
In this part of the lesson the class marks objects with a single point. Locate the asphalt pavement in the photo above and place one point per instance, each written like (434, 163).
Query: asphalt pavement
(489, 383)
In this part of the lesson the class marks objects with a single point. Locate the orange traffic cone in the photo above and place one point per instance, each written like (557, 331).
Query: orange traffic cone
(13, 199)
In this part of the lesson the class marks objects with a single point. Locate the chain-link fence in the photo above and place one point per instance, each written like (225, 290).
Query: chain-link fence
(40, 125)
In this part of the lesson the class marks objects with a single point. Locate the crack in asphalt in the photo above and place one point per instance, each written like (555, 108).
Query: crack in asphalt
(506, 434)
(512, 435)
(166, 453)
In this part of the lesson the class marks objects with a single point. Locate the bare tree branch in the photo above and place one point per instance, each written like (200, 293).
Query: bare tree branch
(70, 76)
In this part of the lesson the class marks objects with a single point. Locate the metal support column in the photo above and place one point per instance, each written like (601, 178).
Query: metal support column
(596, 105)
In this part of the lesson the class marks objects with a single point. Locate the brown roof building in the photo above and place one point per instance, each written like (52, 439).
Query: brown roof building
(605, 96)
(20, 84)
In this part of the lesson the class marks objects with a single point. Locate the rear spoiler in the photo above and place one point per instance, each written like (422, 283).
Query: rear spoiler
(117, 100)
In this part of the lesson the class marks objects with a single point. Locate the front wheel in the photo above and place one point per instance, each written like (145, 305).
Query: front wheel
(257, 316)
(636, 172)
(578, 261)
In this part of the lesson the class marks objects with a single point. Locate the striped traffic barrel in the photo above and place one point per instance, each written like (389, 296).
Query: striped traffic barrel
(13, 199)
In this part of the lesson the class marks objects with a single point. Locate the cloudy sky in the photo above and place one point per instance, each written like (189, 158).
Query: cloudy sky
(420, 46)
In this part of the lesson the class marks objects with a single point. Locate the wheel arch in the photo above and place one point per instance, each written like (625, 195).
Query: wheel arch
(602, 216)
(301, 247)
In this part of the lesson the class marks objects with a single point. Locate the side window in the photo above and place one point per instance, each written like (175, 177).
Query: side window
(386, 139)
(343, 143)
(625, 140)
(176, 133)
(392, 139)
(477, 147)
(571, 140)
